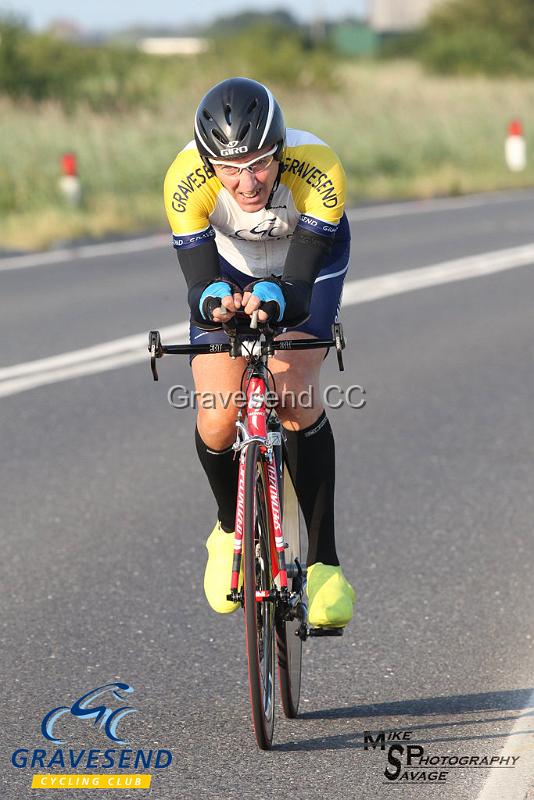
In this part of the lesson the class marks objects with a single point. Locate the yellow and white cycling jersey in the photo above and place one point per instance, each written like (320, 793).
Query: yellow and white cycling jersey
(311, 196)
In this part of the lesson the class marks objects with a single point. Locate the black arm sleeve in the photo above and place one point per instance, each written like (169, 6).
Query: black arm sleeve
(306, 257)
(200, 266)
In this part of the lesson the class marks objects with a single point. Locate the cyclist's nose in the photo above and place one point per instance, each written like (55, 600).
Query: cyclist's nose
(248, 181)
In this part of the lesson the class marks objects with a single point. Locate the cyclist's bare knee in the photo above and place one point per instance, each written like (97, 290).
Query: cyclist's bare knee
(217, 380)
(216, 428)
(297, 375)
(298, 419)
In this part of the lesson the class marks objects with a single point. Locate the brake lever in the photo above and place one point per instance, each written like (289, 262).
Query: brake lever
(230, 328)
(337, 330)
(156, 351)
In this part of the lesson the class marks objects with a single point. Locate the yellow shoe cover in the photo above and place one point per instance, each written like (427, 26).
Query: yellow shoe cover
(218, 574)
(330, 597)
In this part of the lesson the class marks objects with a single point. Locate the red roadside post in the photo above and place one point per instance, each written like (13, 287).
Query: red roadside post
(515, 147)
(69, 181)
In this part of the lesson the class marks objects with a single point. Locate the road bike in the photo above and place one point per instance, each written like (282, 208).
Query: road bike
(267, 522)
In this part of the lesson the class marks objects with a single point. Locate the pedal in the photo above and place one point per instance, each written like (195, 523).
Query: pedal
(325, 631)
(302, 631)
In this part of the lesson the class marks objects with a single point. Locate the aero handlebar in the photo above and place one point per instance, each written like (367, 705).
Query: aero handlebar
(242, 344)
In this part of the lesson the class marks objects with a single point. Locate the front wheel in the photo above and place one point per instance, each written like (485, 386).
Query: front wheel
(259, 615)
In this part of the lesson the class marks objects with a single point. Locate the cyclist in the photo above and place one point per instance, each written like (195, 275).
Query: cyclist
(257, 218)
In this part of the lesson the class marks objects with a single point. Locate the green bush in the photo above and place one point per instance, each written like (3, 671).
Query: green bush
(274, 54)
(470, 50)
(401, 45)
(480, 36)
(44, 68)
(15, 75)
(116, 79)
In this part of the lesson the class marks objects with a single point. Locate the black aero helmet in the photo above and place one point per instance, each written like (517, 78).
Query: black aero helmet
(238, 116)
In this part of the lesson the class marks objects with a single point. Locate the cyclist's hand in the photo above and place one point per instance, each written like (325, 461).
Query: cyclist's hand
(218, 303)
(230, 303)
(266, 296)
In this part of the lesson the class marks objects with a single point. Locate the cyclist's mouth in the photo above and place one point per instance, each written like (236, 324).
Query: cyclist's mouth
(250, 195)
(251, 201)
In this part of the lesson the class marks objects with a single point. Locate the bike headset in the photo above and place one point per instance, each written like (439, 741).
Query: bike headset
(238, 116)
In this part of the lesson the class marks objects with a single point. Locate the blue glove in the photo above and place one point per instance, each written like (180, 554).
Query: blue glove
(215, 290)
(270, 292)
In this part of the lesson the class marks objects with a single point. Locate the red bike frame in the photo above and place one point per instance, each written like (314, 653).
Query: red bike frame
(257, 427)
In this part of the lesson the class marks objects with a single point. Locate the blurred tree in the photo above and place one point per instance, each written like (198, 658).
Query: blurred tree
(107, 78)
(13, 69)
(480, 36)
(271, 53)
(237, 23)
(514, 19)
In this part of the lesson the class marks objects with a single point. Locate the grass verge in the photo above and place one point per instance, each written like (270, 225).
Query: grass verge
(399, 133)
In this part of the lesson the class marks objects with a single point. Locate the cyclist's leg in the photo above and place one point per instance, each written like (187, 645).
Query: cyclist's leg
(311, 462)
(217, 380)
(309, 435)
(311, 452)
(310, 445)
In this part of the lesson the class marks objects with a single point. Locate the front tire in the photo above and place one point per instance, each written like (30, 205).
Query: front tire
(259, 616)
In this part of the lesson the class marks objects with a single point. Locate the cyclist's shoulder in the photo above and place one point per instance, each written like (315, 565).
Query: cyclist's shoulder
(188, 164)
(314, 175)
(306, 144)
(189, 185)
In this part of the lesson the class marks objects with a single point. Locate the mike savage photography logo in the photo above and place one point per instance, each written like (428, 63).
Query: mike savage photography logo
(410, 763)
(100, 708)
(332, 396)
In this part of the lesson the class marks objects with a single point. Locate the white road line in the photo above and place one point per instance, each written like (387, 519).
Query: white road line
(17, 385)
(438, 204)
(88, 361)
(161, 240)
(513, 784)
(368, 289)
(98, 351)
(132, 349)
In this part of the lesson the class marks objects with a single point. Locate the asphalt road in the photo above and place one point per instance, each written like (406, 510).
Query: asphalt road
(105, 513)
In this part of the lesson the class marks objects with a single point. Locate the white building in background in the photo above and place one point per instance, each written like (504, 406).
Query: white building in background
(399, 15)
(173, 46)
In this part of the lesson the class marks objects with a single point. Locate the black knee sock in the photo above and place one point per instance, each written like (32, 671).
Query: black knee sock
(221, 470)
(311, 462)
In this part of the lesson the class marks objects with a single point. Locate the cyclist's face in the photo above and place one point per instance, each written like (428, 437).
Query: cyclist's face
(250, 190)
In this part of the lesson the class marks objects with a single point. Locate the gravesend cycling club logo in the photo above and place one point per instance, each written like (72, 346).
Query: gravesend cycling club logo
(105, 709)
(107, 717)
(409, 763)
(267, 229)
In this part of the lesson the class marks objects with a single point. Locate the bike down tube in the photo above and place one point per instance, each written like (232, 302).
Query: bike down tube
(257, 423)
(275, 518)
